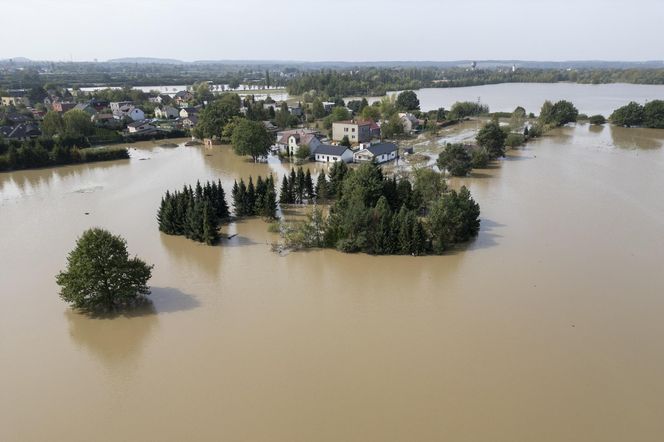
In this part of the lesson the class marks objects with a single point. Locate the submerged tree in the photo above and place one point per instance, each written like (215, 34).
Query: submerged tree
(100, 276)
(455, 159)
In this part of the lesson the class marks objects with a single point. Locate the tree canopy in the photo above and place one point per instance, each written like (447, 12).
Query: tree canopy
(455, 159)
(650, 115)
(100, 276)
(251, 138)
(492, 137)
(408, 101)
(216, 115)
(558, 114)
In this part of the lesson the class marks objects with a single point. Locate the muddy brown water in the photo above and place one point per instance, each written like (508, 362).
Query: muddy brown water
(546, 327)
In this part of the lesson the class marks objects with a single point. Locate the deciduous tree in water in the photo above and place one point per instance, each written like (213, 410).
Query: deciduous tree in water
(100, 276)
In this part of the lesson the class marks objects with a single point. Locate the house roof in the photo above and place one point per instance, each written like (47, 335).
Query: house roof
(304, 136)
(329, 149)
(138, 123)
(382, 148)
(82, 106)
(359, 123)
(98, 117)
(24, 130)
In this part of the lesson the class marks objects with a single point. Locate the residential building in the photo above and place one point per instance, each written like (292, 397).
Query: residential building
(140, 127)
(189, 122)
(129, 112)
(187, 112)
(166, 112)
(183, 97)
(86, 107)
(377, 153)
(409, 122)
(63, 106)
(116, 105)
(290, 142)
(24, 131)
(327, 153)
(296, 111)
(15, 98)
(356, 131)
(106, 120)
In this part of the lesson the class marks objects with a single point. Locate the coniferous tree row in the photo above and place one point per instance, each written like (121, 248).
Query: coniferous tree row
(259, 199)
(297, 188)
(195, 213)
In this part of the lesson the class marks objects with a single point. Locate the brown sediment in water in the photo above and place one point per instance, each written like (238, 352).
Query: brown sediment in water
(546, 327)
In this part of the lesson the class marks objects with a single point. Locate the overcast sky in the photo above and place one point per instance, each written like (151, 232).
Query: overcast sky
(333, 30)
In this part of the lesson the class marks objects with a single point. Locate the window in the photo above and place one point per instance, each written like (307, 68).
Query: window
(353, 129)
(345, 129)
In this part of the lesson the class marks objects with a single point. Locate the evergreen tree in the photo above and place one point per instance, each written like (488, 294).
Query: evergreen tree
(250, 200)
(259, 200)
(221, 206)
(419, 239)
(321, 187)
(241, 204)
(338, 173)
(209, 233)
(237, 199)
(406, 233)
(285, 193)
(292, 182)
(379, 231)
(300, 186)
(308, 185)
(269, 206)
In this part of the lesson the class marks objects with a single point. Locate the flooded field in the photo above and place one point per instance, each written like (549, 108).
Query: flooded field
(547, 327)
(589, 98)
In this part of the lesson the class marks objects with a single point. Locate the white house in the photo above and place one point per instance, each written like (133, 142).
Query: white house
(165, 112)
(140, 127)
(377, 153)
(117, 105)
(187, 112)
(289, 142)
(327, 153)
(129, 111)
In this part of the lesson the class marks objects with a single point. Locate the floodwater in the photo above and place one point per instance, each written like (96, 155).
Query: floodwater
(547, 327)
(590, 99)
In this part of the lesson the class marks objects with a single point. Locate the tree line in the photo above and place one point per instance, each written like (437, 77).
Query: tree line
(298, 187)
(255, 200)
(48, 153)
(376, 81)
(194, 213)
(649, 115)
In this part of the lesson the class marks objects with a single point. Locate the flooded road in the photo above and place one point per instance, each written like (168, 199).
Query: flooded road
(547, 327)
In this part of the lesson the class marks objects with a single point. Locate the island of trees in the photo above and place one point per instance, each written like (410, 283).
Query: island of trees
(197, 213)
(650, 115)
(374, 214)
